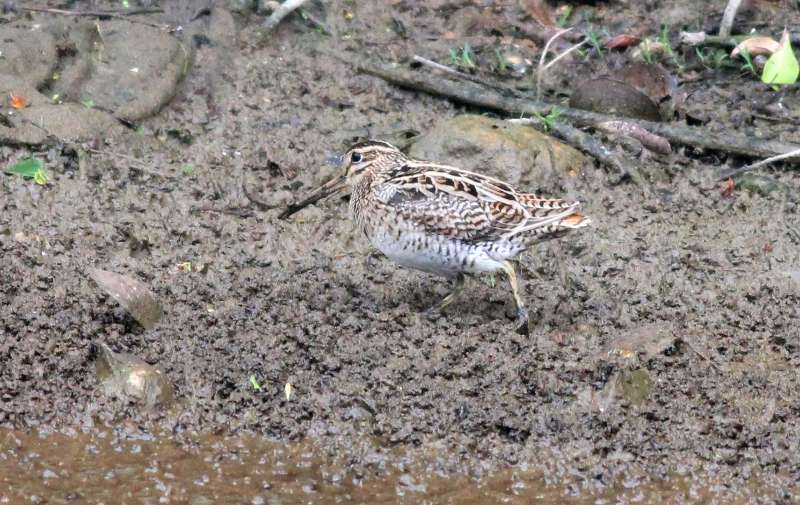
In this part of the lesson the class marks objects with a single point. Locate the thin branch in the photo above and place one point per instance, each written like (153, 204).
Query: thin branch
(710, 361)
(480, 96)
(134, 162)
(727, 18)
(262, 205)
(281, 12)
(565, 53)
(771, 159)
(103, 14)
(112, 14)
(704, 39)
(540, 69)
(462, 75)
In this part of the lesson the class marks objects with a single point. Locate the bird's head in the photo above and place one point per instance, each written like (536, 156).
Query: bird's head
(365, 159)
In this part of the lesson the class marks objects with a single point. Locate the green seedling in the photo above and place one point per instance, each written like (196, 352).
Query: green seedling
(30, 168)
(647, 54)
(254, 383)
(663, 37)
(550, 119)
(781, 68)
(564, 18)
(462, 57)
(492, 280)
(502, 63)
(748, 62)
(719, 58)
(595, 41)
(187, 170)
(89, 104)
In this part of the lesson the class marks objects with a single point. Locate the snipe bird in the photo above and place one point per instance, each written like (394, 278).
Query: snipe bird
(442, 219)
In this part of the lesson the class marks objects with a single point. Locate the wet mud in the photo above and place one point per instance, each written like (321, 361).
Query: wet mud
(662, 365)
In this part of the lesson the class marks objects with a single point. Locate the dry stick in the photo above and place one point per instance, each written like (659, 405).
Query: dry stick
(462, 75)
(572, 135)
(281, 12)
(710, 361)
(702, 38)
(727, 17)
(480, 96)
(542, 67)
(134, 162)
(262, 205)
(740, 171)
(112, 14)
(109, 14)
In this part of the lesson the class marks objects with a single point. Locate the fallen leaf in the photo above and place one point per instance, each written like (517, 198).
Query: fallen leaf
(727, 188)
(782, 66)
(132, 294)
(756, 46)
(26, 168)
(18, 101)
(621, 41)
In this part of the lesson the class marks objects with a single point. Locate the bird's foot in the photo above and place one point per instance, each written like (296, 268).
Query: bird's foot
(432, 313)
(523, 322)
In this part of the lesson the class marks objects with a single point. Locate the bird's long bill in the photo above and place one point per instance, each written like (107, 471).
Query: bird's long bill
(330, 188)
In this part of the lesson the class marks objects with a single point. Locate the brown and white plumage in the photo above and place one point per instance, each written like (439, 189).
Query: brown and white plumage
(443, 219)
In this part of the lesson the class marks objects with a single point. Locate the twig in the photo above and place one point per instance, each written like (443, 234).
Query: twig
(710, 361)
(134, 162)
(771, 159)
(462, 75)
(727, 18)
(318, 24)
(262, 205)
(480, 96)
(102, 14)
(242, 212)
(281, 12)
(702, 38)
(112, 14)
(565, 53)
(540, 69)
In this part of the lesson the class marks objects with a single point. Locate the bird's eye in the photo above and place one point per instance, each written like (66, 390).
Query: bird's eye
(356, 157)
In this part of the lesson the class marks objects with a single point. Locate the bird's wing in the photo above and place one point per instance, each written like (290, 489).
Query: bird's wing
(469, 206)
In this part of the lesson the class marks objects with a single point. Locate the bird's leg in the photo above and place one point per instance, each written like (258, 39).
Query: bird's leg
(522, 312)
(458, 287)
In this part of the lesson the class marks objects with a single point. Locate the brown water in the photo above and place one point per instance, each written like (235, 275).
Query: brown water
(126, 466)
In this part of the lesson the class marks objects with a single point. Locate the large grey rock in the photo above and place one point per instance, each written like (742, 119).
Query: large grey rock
(126, 70)
(517, 154)
(28, 53)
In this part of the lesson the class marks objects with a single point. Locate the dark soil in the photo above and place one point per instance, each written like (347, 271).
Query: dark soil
(665, 338)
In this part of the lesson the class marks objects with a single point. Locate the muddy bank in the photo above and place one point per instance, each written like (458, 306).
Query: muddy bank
(665, 338)
(59, 468)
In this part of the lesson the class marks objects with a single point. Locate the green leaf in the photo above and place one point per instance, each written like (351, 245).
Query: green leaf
(26, 168)
(254, 382)
(782, 66)
(29, 168)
